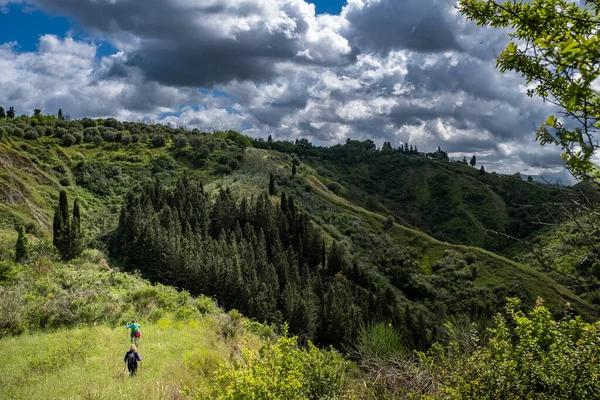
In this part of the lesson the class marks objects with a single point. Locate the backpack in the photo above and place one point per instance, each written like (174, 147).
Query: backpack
(131, 360)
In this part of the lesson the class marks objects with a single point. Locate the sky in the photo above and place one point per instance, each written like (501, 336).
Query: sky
(388, 70)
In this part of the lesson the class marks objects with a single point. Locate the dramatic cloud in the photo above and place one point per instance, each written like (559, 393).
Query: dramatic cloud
(400, 71)
(200, 43)
(66, 74)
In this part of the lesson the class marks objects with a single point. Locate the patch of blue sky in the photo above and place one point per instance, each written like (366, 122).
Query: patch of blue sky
(24, 25)
(332, 7)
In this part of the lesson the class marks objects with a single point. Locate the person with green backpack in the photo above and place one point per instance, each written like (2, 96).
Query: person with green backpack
(135, 331)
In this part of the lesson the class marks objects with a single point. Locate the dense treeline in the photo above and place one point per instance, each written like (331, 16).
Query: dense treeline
(264, 258)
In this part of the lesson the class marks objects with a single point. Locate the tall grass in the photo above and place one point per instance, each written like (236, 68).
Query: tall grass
(87, 363)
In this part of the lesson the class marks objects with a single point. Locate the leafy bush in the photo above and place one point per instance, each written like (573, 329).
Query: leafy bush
(181, 142)
(528, 355)
(68, 140)
(159, 140)
(281, 371)
(31, 134)
(126, 139)
(334, 187)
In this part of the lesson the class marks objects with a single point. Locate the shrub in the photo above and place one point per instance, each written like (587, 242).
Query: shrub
(155, 315)
(527, 356)
(60, 132)
(282, 370)
(78, 137)
(88, 123)
(182, 142)
(126, 139)
(31, 134)
(18, 132)
(380, 343)
(68, 140)
(158, 140)
(334, 187)
(109, 136)
(97, 140)
(206, 305)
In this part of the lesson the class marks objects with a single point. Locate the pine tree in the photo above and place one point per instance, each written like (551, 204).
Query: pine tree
(66, 231)
(2, 113)
(11, 113)
(22, 246)
(271, 185)
(60, 115)
(473, 161)
(293, 169)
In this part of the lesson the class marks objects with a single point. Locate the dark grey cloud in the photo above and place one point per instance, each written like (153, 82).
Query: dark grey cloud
(542, 158)
(203, 43)
(385, 25)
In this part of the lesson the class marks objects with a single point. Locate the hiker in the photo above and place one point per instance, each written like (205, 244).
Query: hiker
(135, 331)
(131, 360)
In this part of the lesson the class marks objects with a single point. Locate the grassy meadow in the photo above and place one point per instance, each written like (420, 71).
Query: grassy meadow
(87, 363)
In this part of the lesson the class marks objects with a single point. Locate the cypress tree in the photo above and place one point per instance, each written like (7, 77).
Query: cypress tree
(323, 255)
(11, 113)
(66, 230)
(76, 236)
(271, 185)
(2, 113)
(22, 246)
(292, 207)
(60, 115)
(482, 170)
(473, 161)
(283, 202)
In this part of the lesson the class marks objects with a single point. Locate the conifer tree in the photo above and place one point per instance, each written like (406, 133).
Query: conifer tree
(22, 246)
(271, 185)
(66, 230)
(482, 170)
(293, 169)
(283, 203)
(473, 161)
(60, 115)
(2, 113)
(10, 113)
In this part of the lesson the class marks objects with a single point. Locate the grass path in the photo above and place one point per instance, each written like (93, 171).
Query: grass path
(87, 363)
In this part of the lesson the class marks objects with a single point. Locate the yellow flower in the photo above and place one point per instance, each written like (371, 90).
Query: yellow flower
(50, 294)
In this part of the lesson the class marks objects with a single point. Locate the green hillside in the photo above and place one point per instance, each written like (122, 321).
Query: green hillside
(296, 240)
(451, 201)
(408, 267)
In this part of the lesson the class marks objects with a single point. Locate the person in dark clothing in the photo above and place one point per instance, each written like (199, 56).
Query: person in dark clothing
(131, 360)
